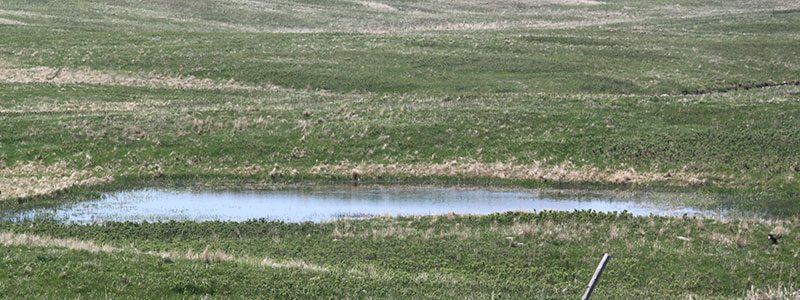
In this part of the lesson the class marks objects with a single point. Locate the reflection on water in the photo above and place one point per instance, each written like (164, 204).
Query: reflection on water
(317, 205)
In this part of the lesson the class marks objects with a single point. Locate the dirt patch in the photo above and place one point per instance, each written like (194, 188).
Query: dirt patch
(564, 172)
(89, 76)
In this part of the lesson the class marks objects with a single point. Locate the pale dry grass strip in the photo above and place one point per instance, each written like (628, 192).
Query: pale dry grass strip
(5, 21)
(71, 105)
(10, 238)
(97, 77)
(197, 24)
(563, 172)
(219, 256)
(719, 238)
(294, 264)
(379, 7)
(36, 179)
(562, 231)
(34, 168)
(527, 3)
(23, 187)
(468, 26)
(441, 15)
(773, 293)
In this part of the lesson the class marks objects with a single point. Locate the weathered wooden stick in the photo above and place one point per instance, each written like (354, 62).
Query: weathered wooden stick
(596, 277)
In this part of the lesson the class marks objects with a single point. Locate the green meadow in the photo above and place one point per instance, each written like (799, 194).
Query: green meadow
(691, 97)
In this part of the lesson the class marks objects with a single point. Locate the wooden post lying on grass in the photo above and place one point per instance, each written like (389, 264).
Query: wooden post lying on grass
(596, 277)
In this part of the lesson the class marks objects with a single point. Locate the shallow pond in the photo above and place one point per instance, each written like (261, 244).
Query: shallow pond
(322, 204)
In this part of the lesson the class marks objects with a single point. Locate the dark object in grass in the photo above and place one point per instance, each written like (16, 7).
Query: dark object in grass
(773, 239)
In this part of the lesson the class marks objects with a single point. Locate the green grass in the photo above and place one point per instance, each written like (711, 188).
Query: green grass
(696, 97)
(589, 60)
(512, 256)
(729, 139)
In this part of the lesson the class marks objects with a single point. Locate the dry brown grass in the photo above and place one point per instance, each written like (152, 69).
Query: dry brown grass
(11, 22)
(217, 256)
(563, 231)
(33, 179)
(700, 224)
(779, 230)
(498, 25)
(617, 232)
(10, 238)
(72, 105)
(337, 235)
(277, 171)
(720, 238)
(293, 264)
(379, 7)
(393, 231)
(563, 172)
(740, 241)
(391, 16)
(773, 293)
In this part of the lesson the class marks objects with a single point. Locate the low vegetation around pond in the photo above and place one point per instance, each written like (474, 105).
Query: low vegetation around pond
(507, 256)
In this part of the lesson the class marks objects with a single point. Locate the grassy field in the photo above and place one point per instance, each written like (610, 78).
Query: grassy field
(697, 97)
(509, 256)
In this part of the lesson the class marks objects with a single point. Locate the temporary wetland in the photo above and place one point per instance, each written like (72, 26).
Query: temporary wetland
(321, 203)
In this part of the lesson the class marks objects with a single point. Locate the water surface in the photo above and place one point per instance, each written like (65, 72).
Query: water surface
(155, 205)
